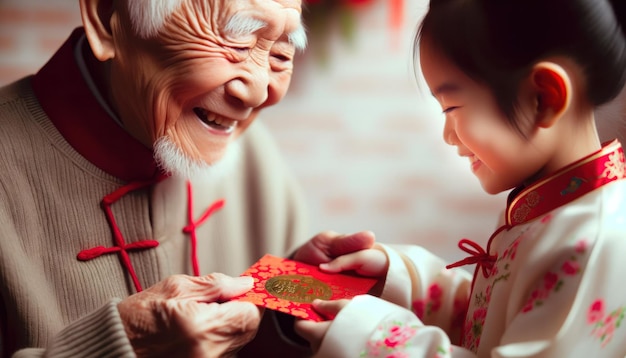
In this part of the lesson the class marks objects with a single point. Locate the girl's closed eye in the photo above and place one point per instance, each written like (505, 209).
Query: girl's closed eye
(450, 109)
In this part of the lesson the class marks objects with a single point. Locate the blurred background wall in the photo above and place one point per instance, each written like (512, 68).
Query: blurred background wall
(361, 136)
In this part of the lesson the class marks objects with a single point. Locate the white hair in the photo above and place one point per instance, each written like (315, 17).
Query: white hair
(148, 16)
(171, 159)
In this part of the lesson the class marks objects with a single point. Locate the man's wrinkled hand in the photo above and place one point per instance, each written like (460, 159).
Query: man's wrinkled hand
(183, 316)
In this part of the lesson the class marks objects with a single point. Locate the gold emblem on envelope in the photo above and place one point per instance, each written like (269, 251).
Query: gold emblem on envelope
(298, 288)
(290, 286)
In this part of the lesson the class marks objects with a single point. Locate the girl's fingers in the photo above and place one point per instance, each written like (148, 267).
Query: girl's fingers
(371, 263)
(329, 309)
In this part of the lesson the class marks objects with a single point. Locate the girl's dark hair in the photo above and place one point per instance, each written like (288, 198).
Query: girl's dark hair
(496, 42)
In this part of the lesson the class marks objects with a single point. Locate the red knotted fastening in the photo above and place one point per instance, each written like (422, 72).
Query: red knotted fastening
(120, 244)
(479, 256)
(191, 227)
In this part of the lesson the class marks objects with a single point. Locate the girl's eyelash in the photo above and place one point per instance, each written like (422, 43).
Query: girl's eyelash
(449, 109)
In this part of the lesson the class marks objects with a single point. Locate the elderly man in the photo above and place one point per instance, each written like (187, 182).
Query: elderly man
(126, 178)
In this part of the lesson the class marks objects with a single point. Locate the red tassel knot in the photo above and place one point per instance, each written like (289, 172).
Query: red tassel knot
(478, 256)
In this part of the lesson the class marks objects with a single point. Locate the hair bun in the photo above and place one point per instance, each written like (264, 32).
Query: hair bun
(619, 9)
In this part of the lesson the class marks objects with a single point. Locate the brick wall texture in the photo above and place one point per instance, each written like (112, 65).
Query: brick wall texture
(363, 138)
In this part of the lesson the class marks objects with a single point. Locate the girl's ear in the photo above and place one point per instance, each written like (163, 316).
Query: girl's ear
(96, 16)
(553, 90)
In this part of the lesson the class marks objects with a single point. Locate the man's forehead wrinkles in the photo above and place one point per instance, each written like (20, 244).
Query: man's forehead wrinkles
(296, 4)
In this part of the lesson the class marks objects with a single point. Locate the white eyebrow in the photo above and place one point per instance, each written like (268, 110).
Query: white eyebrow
(298, 38)
(241, 25)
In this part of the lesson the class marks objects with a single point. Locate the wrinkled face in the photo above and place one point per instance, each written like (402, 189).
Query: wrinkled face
(203, 79)
(499, 156)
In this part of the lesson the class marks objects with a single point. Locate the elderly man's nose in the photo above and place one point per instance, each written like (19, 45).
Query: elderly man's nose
(251, 89)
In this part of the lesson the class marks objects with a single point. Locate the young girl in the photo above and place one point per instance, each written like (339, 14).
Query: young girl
(518, 82)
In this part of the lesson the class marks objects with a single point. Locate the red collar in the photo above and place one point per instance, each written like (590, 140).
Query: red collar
(84, 123)
(566, 185)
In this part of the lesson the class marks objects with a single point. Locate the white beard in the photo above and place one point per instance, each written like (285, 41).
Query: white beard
(171, 159)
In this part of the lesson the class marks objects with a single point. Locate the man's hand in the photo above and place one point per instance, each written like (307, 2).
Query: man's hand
(182, 316)
(328, 245)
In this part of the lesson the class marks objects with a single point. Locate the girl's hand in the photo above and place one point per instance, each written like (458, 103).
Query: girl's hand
(370, 262)
(328, 245)
(314, 332)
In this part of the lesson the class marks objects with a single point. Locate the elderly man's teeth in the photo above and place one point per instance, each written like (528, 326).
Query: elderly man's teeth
(225, 122)
(212, 118)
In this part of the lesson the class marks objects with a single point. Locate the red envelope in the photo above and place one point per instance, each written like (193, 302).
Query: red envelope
(290, 286)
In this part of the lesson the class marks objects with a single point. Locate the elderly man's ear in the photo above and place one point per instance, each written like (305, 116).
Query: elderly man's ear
(96, 16)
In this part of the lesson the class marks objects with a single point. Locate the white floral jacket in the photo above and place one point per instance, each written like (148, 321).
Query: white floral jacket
(551, 282)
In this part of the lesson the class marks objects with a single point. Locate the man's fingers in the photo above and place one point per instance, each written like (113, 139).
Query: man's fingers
(230, 287)
(215, 287)
(228, 318)
(219, 287)
(222, 327)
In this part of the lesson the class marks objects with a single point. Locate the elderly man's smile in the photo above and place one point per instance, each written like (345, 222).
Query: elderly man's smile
(215, 122)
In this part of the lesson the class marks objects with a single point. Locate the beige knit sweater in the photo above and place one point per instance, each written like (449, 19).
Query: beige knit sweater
(51, 302)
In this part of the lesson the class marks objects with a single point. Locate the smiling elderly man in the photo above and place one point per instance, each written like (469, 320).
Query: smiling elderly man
(126, 179)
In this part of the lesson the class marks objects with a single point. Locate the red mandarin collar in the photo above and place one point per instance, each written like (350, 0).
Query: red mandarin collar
(571, 182)
(529, 202)
(76, 113)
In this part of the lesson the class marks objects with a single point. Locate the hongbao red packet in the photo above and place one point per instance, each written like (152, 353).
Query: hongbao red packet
(290, 286)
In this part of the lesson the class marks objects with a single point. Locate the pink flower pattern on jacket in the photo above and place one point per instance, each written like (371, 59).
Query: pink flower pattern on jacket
(604, 325)
(431, 304)
(425, 308)
(474, 322)
(390, 340)
(553, 281)
(473, 328)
